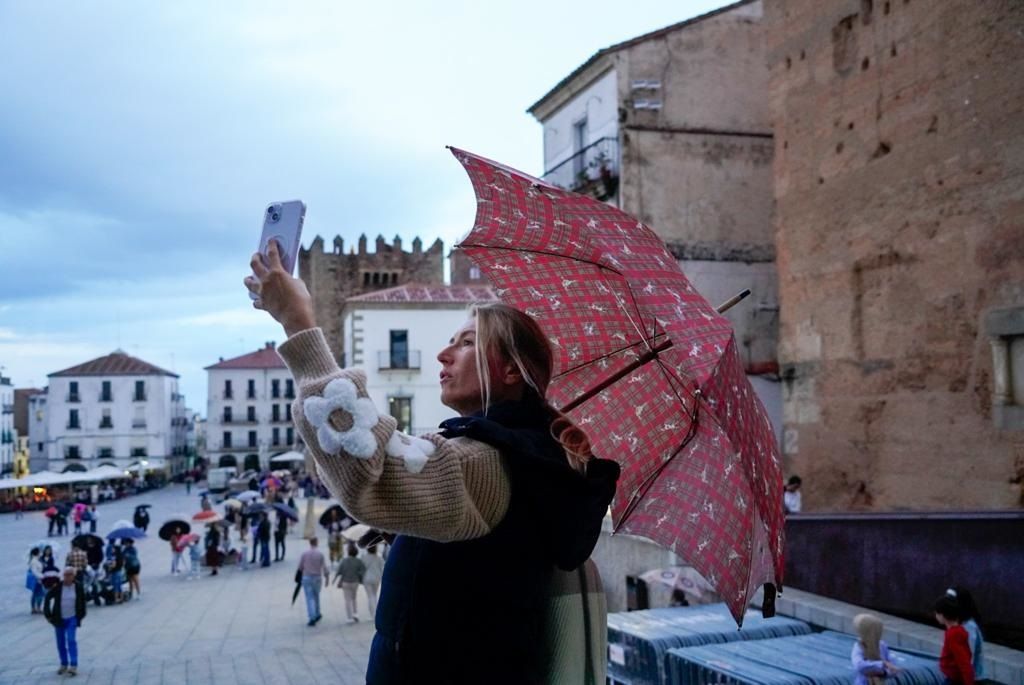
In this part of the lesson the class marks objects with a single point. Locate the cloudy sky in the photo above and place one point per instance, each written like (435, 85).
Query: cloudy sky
(140, 142)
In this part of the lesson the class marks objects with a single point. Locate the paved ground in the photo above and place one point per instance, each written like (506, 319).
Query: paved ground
(236, 627)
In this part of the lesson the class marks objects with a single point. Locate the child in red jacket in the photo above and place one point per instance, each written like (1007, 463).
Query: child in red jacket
(955, 658)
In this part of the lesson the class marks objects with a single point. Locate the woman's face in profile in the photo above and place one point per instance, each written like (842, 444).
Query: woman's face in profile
(460, 383)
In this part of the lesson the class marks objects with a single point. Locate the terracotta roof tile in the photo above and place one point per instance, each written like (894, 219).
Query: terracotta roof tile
(117, 363)
(415, 293)
(264, 358)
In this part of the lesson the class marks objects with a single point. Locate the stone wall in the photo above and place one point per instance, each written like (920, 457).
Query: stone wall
(334, 276)
(899, 152)
(699, 169)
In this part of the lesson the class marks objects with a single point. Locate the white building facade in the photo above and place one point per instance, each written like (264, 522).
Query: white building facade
(249, 410)
(395, 335)
(115, 410)
(8, 437)
(37, 432)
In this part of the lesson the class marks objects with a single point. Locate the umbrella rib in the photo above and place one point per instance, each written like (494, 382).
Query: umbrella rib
(646, 483)
(607, 355)
(540, 252)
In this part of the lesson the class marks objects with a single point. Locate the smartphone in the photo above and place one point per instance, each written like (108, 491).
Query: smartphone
(282, 221)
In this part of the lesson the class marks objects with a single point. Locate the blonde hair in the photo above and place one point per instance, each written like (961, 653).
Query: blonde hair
(869, 630)
(505, 334)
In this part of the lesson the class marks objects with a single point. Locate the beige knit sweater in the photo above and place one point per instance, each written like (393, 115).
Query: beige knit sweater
(429, 487)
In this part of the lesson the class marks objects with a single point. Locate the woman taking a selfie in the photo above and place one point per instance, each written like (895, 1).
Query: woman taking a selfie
(496, 514)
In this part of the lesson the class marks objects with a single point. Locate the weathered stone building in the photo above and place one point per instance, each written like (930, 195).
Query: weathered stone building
(334, 276)
(673, 127)
(899, 187)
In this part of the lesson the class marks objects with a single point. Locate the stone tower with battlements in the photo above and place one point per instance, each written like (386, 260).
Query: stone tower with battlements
(334, 276)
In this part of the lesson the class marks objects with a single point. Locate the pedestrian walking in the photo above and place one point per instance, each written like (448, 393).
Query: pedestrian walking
(518, 462)
(969, 620)
(195, 558)
(115, 570)
(254, 530)
(374, 570)
(64, 607)
(314, 573)
(188, 484)
(213, 552)
(243, 545)
(280, 533)
(176, 551)
(76, 515)
(94, 517)
(263, 537)
(955, 657)
(132, 569)
(870, 654)
(34, 580)
(62, 523)
(349, 576)
(19, 507)
(335, 527)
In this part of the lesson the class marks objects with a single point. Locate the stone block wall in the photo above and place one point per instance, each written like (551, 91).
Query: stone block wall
(899, 189)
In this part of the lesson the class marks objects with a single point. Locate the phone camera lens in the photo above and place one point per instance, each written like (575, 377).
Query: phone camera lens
(275, 216)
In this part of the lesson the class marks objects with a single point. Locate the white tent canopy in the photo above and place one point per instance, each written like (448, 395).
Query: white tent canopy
(48, 478)
(287, 456)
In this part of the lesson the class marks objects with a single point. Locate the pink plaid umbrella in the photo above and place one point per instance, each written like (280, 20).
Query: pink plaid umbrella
(647, 367)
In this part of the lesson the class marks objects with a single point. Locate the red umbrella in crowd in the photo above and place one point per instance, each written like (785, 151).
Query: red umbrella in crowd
(648, 366)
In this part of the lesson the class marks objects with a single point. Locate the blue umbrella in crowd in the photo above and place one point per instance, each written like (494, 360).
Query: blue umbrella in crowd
(287, 511)
(129, 532)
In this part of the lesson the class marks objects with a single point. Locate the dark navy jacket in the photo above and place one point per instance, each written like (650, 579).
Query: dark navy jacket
(472, 612)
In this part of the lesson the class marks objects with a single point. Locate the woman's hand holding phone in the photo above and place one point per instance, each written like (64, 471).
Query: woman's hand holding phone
(278, 293)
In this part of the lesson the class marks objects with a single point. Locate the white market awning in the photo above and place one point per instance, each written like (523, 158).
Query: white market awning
(288, 456)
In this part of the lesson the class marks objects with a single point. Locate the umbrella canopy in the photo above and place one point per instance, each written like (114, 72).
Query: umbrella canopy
(142, 506)
(50, 512)
(121, 523)
(172, 527)
(247, 496)
(87, 541)
(641, 355)
(356, 531)
(126, 533)
(256, 508)
(287, 511)
(207, 516)
(232, 503)
(325, 518)
(271, 482)
(685, 578)
(80, 506)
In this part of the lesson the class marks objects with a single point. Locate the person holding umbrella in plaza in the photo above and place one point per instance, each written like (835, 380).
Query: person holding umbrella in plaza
(64, 607)
(141, 517)
(487, 510)
(263, 538)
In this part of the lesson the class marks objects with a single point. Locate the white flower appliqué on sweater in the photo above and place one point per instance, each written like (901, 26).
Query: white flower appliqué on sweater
(358, 440)
(413, 451)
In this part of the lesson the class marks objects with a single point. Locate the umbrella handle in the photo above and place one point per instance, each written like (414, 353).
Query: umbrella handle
(733, 301)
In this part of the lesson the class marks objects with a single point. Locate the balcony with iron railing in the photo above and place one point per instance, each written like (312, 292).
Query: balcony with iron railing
(391, 360)
(594, 170)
